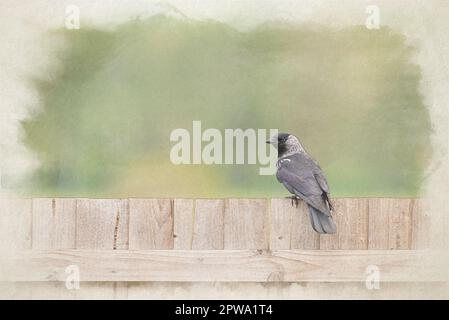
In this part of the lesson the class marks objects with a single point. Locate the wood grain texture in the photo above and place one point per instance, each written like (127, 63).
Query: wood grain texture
(224, 265)
(15, 224)
(280, 224)
(54, 223)
(374, 223)
(150, 224)
(208, 228)
(438, 234)
(290, 226)
(351, 217)
(390, 223)
(102, 224)
(183, 223)
(421, 223)
(302, 234)
(214, 240)
(223, 291)
(246, 224)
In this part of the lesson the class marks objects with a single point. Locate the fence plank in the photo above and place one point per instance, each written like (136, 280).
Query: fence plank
(54, 223)
(15, 224)
(208, 228)
(290, 226)
(389, 223)
(183, 223)
(225, 265)
(246, 224)
(280, 224)
(351, 217)
(421, 223)
(101, 224)
(242, 224)
(150, 224)
(236, 229)
(302, 235)
(439, 230)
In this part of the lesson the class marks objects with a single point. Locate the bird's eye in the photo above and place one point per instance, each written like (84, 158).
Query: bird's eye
(282, 139)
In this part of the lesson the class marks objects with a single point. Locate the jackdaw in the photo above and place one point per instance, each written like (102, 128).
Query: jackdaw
(302, 176)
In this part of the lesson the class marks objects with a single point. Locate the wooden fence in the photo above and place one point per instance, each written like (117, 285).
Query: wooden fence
(214, 240)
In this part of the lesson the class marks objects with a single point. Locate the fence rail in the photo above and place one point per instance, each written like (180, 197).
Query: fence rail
(213, 240)
(226, 265)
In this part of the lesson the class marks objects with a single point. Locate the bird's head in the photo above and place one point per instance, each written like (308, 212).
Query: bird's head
(286, 144)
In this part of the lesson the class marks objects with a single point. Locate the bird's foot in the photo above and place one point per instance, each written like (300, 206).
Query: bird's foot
(295, 200)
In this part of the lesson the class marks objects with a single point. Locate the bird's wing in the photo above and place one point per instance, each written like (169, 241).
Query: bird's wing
(298, 173)
(321, 179)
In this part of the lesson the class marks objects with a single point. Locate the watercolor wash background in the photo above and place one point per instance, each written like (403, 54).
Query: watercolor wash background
(108, 100)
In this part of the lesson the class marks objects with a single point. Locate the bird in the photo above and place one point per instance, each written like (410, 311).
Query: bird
(302, 176)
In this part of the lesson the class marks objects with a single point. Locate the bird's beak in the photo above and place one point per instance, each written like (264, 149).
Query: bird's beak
(268, 141)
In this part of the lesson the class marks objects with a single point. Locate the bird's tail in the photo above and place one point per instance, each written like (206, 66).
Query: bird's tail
(321, 222)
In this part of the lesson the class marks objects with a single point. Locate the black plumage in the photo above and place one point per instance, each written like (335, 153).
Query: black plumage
(302, 177)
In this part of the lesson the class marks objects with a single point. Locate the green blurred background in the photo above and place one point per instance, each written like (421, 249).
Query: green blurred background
(107, 110)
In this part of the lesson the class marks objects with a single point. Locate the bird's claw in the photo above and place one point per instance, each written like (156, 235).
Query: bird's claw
(295, 200)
